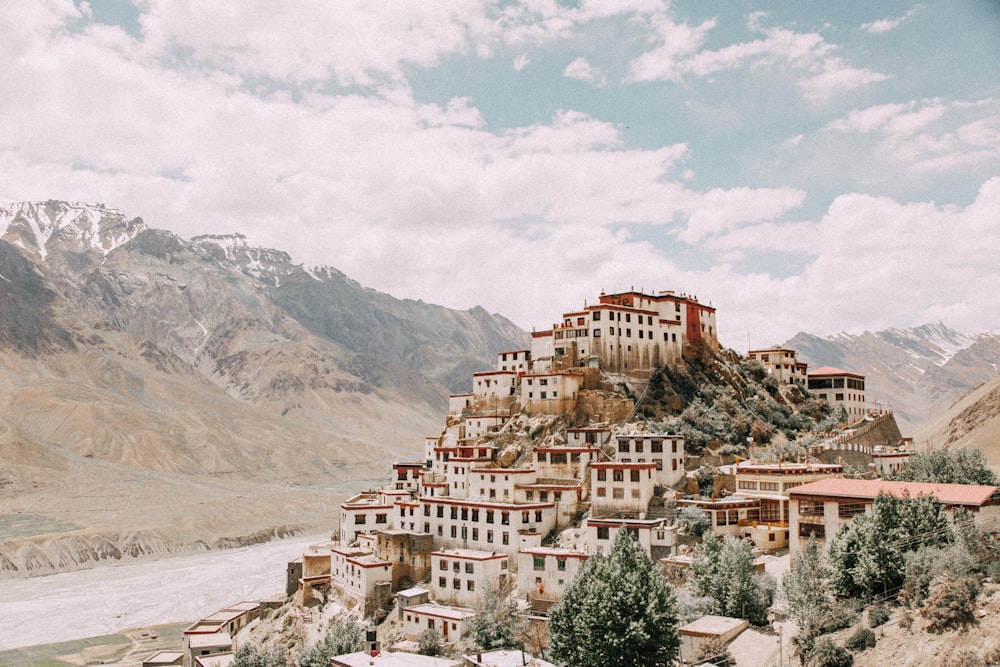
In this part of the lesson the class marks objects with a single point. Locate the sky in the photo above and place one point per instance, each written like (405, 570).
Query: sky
(818, 167)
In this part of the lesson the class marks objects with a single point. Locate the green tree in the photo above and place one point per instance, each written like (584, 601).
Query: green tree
(255, 655)
(806, 590)
(498, 623)
(724, 571)
(619, 610)
(345, 635)
(867, 557)
(948, 466)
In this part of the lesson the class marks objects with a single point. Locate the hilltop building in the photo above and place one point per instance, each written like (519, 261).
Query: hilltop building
(781, 364)
(840, 388)
(628, 332)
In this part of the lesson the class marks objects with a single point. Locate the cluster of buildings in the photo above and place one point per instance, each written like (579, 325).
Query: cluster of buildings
(457, 524)
(839, 388)
(477, 515)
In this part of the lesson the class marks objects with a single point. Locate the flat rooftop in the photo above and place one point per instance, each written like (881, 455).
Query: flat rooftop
(214, 640)
(391, 659)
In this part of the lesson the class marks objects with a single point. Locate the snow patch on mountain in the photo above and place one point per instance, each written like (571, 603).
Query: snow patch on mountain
(32, 225)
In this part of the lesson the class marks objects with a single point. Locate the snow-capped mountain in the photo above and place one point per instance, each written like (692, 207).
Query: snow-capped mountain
(33, 226)
(133, 361)
(917, 372)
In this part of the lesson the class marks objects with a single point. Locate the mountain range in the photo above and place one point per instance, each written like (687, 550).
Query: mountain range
(918, 372)
(161, 394)
(150, 381)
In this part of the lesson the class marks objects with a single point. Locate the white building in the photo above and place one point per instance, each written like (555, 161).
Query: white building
(840, 388)
(781, 364)
(617, 487)
(666, 451)
(451, 623)
(544, 573)
(460, 576)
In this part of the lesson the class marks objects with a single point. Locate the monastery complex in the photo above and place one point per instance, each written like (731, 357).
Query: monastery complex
(539, 467)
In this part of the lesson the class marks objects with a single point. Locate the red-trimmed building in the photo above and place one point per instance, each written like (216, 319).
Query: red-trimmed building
(628, 332)
(820, 509)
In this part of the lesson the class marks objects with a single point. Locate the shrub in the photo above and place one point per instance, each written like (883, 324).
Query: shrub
(878, 616)
(429, 642)
(695, 520)
(828, 654)
(951, 603)
(906, 620)
(842, 614)
(861, 640)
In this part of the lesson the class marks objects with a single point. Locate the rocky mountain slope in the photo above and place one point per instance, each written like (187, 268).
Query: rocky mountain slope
(184, 387)
(917, 372)
(972, 421)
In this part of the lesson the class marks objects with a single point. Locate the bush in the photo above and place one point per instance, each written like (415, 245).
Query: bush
(906, 620)
(429, 642)
(828, 654)
(861, 640)
(693, 519)
(951, 603)
(877, 616)
(842, 614)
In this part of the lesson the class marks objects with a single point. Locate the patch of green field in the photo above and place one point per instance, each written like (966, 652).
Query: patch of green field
(13, 526)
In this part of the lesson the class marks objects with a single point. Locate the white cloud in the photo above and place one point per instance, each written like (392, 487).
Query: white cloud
(929, 136)
(885, 25)
(582, 70)
(822, 73)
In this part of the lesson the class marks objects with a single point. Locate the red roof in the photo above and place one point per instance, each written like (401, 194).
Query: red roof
(949, 494)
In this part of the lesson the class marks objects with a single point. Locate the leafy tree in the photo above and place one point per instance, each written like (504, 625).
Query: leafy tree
(345, 635)
(948, 466)
(867, 555)
(255, 655)
(498, 623)
(805, 588)
(619, 610)
(694, 519)
(723, 569)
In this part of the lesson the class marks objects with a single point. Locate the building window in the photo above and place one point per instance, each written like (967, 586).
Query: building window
(442, 582)
(601, 492)
(506, 538)
(539, 562)
(618, 475)
(475, 534)
(489, 536)
(457, 584)
(359, 519)
(561, 564)
(469, 585)
(468, 568)
(505, 518)
(444, 564)
(602, 475)
(618, 493)
(635, 475)
(380, 518)
(603, 533)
